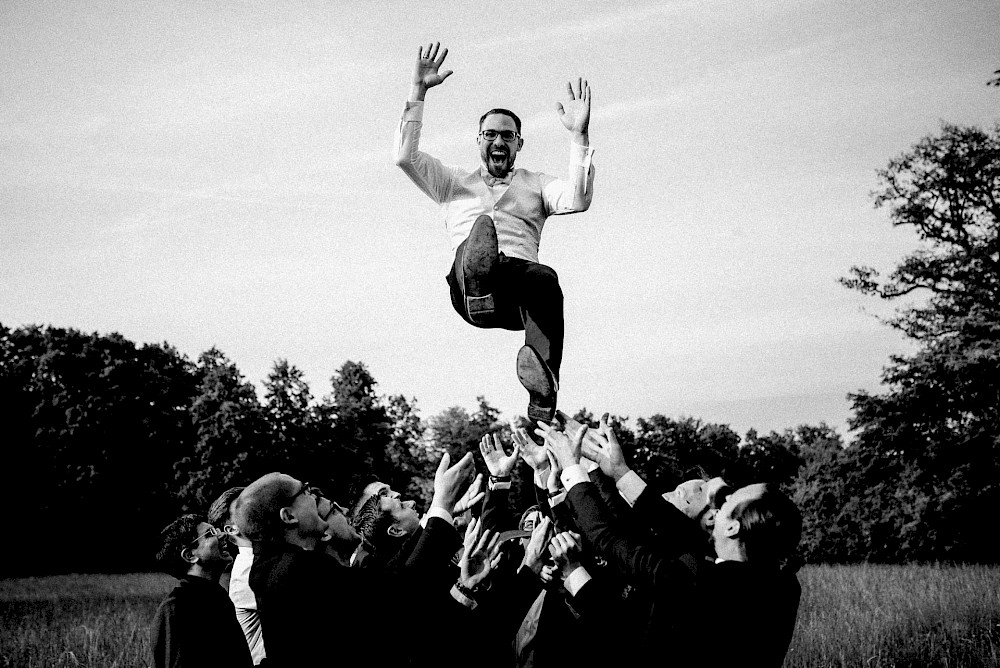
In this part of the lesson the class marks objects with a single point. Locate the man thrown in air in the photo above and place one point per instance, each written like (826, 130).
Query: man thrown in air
(494, 215)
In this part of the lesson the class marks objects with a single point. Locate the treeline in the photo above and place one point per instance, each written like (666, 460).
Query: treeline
(109, 440)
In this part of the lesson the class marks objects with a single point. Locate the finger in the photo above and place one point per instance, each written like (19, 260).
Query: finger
(484, 540)
(463, 463)
(444, 54)
(569, 89)
(483, 449)
(517, 450)
(476, 499)
(578, 439)
(553, 461)
(443, 464)
(429, 47)
(592, 452)
(477, 482)
(444, 75)
(471, 529)
(432, 54)
(560, 109)
(496, 442)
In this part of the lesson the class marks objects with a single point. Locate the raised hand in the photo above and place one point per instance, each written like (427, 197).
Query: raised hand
(426, 71)
(536, 546)
(553, 484)
(480, 556)
(449, 480)
(565, 449)
(531, 452)
(565, 550)
(575, 111)
(605, 450)
(498, 463)
(472, 496)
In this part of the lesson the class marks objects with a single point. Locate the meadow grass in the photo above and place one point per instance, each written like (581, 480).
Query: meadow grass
(871, 616)
(897, 616)
(79, 620)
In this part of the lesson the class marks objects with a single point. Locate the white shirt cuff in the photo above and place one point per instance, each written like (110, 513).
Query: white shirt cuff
(630, 487)
(437, 511)
(413, 111)
(557, 499)
(579, 155)
(572, 475)
(575, 580)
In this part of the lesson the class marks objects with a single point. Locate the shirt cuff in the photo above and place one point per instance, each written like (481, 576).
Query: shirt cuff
(413, 111)
(579, 155)
(437, 511)
(557, 499)
(573, 475)
(630, 486)
(575, 580)
(462, 598)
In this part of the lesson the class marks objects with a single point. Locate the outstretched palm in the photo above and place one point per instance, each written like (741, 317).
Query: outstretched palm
(575, 112)
(426, 71)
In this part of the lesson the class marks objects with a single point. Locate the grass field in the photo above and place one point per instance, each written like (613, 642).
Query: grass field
(871, 616)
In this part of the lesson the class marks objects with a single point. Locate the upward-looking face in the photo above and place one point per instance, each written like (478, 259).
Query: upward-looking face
(208, 546)
(303, 507)
(338, 529)
(725, 526)
(690, 497)
(498, 154)
(405, 519)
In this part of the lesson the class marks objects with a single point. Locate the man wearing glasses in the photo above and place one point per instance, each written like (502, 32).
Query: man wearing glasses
(196, 625)
(494, 215)
(303, 595)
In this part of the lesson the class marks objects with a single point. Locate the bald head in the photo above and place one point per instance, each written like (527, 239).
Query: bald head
(257, 510)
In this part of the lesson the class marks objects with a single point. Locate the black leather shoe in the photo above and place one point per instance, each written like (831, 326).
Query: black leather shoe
(539, 381)
(479, 258)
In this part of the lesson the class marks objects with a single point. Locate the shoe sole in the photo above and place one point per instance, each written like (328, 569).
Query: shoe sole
(481, 256)
(535, 377)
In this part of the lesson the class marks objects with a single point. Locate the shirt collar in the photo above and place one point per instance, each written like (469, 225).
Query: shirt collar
(494, 181)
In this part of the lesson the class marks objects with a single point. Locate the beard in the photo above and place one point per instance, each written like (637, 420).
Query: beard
(498, 162)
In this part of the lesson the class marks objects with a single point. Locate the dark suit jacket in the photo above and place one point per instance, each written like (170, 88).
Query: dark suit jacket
(315, 612)
(196, 625)
(734, 612)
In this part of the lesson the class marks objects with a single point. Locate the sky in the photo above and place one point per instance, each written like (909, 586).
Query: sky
(221, 174)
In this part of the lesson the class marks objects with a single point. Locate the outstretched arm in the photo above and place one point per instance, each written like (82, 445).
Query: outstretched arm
(427, 172)
(574, 194)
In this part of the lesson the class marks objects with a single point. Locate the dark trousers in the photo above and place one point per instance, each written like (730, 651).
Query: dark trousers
(527, 296)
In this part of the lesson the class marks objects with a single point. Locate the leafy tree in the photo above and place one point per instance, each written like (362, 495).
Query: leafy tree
(932, 435)
(230, 426)
(95, 423)
(668, 451)
(410, 459)
(773, 459)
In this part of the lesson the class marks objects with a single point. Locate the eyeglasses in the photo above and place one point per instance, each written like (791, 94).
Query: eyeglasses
(211, 531)
(334, 508)
(506, 135)
(315, 492)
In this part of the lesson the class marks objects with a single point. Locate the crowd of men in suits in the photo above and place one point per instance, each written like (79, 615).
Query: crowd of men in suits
(603, 570)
